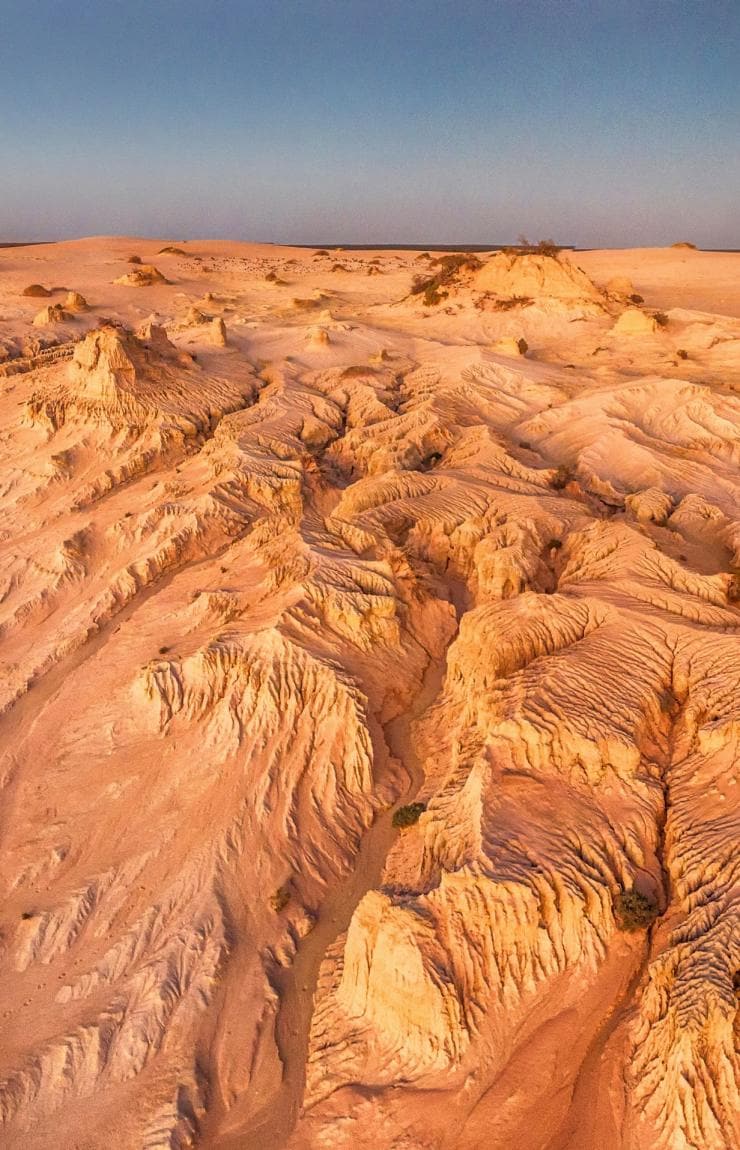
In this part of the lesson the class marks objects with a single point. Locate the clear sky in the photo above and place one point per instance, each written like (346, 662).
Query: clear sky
(448, 121)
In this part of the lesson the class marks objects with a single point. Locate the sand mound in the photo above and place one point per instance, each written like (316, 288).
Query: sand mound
(75, 302)
(54, 313)
(217, 332)
(635, 322)
(195, 317)
(143, 276)
(317, 337)
(36, 291)
(620, 285)
(535, 276)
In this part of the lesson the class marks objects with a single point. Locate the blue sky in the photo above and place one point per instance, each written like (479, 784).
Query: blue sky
(372, 120)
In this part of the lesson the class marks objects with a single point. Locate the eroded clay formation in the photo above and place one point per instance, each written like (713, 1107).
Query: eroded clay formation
(370, 700)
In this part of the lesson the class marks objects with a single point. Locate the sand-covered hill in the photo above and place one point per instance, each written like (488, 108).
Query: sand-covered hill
(370, 627)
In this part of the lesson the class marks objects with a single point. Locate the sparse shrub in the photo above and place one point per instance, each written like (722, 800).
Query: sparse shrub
(429, 288)
(450, 265)
(660, 318)
(506, 304)
(561, 478)
(525, 444)
(542, 247)
(321, 252)
(170, 251)
(634, 911)
(338, 268)
(684, 244)
(636, 298)
(457, 261)
(280, 899)
(134, 260)
(408, 815)
(163, 650)
(523, 346)
(682, 353)
(548, 248)
(433, 295)
(554, 544)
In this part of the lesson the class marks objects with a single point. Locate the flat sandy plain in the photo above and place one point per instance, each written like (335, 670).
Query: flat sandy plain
(284, 548)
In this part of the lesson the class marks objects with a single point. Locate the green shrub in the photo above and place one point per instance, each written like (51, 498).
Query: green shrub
(634, 911)
(408, 815)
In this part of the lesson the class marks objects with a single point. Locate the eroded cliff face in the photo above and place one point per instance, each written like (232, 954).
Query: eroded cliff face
(259, 595)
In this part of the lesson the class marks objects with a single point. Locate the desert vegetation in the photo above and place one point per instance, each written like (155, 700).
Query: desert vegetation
(408, 815)
(433, 289)
(634, 911)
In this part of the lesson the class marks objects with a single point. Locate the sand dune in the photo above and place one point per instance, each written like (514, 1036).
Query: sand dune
(287, 548)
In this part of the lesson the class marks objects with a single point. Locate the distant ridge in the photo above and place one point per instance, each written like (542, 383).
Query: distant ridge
(415, 247)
